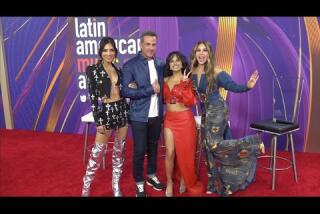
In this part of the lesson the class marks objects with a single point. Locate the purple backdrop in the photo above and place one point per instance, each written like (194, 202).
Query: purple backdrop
(45, 58)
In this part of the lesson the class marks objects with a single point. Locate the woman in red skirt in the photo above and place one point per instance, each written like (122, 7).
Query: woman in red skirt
(179, 126)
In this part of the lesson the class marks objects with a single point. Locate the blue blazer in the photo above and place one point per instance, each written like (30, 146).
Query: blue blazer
(137, 70)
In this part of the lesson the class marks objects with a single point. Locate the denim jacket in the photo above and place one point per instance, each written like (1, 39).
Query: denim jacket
(224, 80)
(136, 70)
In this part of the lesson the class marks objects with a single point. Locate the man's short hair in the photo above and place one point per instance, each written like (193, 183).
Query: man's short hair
(148, 33)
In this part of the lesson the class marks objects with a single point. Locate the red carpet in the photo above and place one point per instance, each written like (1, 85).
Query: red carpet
(50, 164)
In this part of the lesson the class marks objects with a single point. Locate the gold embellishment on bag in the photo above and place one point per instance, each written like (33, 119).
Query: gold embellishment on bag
(243, 153)
(215, 129)
(213, 146)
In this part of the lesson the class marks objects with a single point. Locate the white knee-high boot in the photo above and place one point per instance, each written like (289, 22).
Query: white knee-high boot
(117, 165)
(97, 153)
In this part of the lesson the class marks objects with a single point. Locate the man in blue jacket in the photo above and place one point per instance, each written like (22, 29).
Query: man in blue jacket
(142, 81)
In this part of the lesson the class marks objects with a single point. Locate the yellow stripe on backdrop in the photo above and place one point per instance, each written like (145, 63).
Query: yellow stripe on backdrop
(64, 83)
(225, 46)
(4, 82)
(313, 135)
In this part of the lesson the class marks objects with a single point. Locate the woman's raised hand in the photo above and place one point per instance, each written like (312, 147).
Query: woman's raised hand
(186, 75)
(253, 79)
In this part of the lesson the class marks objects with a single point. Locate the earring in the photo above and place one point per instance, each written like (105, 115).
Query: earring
(116, 60)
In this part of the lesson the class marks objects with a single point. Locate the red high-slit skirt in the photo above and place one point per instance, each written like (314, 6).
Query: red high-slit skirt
(183, 128)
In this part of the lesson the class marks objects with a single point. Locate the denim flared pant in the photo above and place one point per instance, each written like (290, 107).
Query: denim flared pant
(232, 163)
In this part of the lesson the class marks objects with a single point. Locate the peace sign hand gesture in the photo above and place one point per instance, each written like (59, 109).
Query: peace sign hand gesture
(186, 76)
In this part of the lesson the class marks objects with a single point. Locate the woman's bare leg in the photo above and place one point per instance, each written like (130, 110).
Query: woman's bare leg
(169, 160)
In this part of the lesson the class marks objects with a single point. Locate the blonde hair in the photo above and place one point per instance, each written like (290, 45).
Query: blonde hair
(209, 65)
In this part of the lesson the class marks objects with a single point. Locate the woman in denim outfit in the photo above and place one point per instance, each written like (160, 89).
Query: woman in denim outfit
(231, 163)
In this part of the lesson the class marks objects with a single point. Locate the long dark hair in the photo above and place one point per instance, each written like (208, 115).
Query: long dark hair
(103, 42)
(185, 65)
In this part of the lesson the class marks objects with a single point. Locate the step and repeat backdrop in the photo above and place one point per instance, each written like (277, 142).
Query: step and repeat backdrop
(46, 57)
